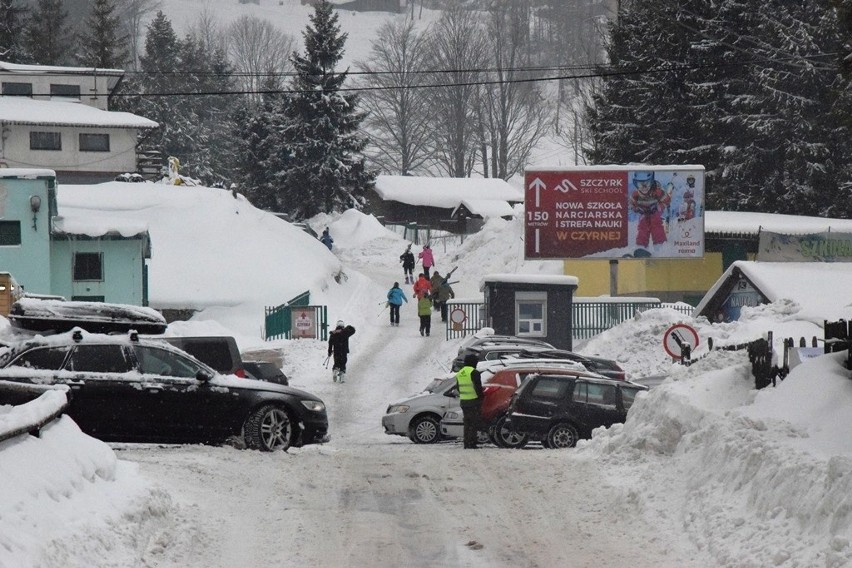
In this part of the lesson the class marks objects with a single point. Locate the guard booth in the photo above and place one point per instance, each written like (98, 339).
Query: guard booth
(531, 305)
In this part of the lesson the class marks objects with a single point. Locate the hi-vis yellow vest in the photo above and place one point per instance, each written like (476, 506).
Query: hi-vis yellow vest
(465, 382)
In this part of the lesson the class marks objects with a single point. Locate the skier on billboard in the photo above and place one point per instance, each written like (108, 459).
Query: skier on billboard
(648, 200)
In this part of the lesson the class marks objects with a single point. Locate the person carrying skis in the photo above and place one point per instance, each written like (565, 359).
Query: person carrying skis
(424, 310)
(422, 286)
(326, 239)
(395, 298)
(427, 259)
(407, 260)
(338, 346)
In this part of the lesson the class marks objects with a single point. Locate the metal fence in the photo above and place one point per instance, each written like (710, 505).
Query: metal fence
(589, 317)
(278, 320)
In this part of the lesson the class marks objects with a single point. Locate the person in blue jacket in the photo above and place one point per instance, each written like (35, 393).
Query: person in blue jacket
(395, 299)
(326, 239)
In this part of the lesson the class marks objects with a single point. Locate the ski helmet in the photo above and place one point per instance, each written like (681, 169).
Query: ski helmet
(643, 177)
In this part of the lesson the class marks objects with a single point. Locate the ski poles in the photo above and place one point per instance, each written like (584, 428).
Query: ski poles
(325, 363)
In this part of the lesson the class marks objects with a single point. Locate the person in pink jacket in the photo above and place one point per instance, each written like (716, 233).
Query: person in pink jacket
(426, 258)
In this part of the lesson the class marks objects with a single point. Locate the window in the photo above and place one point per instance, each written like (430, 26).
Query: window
(94, 142)
(88, 266)
(628, 395)
(45, 141)
(10, 233)
(594, 393)
(19, 89)
(549, 387)
(69, 91)
(154, 361)
(530, 314)
(99, 359)
(49, 358)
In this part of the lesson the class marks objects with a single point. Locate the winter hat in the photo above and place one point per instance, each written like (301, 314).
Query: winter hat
(471, 360)
(340, 323)
(396, 284)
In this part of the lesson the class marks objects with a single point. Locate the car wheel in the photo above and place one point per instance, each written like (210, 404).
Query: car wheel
(267, 429)
(506, 438)
(424, 429)
(561, 436)
(482, 437)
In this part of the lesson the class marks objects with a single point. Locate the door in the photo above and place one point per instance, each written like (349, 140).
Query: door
(539, 402)
(595, 404)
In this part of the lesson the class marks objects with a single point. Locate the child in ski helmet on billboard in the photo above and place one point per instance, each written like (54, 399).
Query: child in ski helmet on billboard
(649, 200)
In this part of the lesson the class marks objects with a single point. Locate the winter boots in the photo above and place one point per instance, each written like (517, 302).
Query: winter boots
(337, 375)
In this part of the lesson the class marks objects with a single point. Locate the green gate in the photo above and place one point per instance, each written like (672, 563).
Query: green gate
(278, 320)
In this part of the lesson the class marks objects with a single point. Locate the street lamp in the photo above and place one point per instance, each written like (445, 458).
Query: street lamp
(35, 205)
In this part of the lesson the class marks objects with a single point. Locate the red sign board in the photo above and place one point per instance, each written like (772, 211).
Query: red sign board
(615, 212)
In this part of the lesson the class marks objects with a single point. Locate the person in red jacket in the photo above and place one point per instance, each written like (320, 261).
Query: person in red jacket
(422, 286)
(649, 200)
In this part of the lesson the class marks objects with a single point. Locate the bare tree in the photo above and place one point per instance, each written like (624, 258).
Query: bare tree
(259, 53)
(457, 57)
(133, 13)
(513, 115)
(207, 32)
(399, 114)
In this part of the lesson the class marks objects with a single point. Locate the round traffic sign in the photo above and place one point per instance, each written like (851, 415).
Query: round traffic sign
(458, 316)
(678, 336)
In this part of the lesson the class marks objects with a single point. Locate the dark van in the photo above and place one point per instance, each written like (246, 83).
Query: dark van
(217, 351)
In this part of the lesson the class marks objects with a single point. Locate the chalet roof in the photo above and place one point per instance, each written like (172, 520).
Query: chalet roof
(823, 290)
(445, 193)
(740, 223)
(6, 67)
(486, 208)
(23, 110)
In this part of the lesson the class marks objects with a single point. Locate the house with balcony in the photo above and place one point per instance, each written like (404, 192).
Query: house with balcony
(58, 118)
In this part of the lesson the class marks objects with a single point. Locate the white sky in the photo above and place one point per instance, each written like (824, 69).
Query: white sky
(706, 472)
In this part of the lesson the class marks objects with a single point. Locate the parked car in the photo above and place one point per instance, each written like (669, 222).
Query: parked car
(131, 389)
(499, 382)
(265, 371)
(217, 351)
(419, 416)
(599, 365)
(559, 409)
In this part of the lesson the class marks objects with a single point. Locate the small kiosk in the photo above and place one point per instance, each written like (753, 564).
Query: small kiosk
(531, 305)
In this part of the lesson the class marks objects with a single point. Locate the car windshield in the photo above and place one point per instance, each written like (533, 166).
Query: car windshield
(438, 385)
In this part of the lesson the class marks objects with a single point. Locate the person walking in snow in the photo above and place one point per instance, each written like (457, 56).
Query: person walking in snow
(338, 346)
(395, 299)
(441, 296)
(469, 381)
(424, 310)
(326, 239)
(422, 287)
(427, 259)
(408, 262)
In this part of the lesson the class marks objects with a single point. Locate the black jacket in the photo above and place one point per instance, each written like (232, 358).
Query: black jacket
(338, 340)
(407, 259)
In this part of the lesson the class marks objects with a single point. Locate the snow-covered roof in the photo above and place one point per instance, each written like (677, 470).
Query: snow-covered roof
(823, 290)
(550, 279)
(486, 208)
(98, 226)
(54, 69)
(23, 110)
(746, 223)
(445, 193)
(26, 173)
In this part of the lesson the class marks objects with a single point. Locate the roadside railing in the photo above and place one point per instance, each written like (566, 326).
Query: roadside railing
(31, 416)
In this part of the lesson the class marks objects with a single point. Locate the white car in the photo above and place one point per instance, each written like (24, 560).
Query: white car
(419, 416)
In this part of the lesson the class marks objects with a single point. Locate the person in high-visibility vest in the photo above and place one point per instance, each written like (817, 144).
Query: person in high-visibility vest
(469, 381)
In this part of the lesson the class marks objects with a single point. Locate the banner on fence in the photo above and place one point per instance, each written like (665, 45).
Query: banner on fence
(304, 322)
(815, 247)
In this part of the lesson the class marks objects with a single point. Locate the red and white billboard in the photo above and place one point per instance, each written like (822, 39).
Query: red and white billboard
(615, 212)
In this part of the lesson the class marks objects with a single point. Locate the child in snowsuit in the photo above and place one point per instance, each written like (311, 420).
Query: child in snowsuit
(426, 257)
(422, 287)
(649, 200)
(395, 298)
(407, 260)
(338, 345)
(424, 310)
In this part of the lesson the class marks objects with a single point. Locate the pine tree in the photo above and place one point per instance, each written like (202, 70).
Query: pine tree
(320, 166)
(47, 38)
(12, 25)
(103, 44)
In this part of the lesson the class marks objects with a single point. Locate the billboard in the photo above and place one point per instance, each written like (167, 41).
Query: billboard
(596, 212)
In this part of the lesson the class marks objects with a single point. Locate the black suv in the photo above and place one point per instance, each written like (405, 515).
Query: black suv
(129, 389)
(561, 409)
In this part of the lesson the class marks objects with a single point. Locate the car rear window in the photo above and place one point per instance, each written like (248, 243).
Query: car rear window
(595, 393)
(628, 395)
(550, 387)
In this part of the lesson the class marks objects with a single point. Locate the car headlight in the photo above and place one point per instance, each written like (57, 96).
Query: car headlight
(452, 416)
(313, 405)
(398, 408)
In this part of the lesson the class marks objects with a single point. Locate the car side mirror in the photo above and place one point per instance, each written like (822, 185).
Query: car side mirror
(203, 376)
(452, 393)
